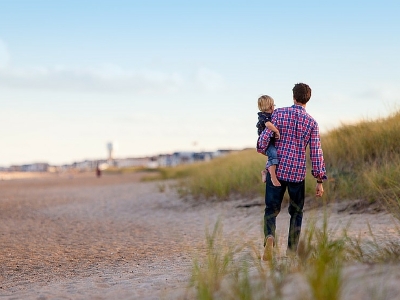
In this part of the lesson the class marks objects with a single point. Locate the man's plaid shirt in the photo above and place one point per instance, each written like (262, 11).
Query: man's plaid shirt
(297, 130)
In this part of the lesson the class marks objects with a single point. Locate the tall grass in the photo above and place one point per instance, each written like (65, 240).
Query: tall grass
(362, 161)
(316, 273)
(208, 273)
(350, 147)
(354, 154)
(322, 259)
(237, 173)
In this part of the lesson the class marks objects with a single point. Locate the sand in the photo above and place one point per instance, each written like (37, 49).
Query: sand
(115, 237)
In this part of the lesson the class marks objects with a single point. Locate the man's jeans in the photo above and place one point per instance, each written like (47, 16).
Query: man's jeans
(273, 202)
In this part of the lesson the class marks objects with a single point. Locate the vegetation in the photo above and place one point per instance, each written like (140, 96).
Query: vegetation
(362, 161)
(225, 271)
(235, 174)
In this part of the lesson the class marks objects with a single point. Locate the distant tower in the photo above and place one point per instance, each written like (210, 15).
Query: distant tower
(110, 149)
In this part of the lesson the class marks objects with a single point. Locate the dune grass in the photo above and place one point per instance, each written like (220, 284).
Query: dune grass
(362, 162)
(363, 159)
(227, 271)
(237, 173)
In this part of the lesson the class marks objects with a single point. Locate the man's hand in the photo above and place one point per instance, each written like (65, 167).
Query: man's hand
(277, 135)
(319, 190)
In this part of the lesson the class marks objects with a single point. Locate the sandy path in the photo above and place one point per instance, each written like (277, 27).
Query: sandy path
(118, 238)
(107, 237)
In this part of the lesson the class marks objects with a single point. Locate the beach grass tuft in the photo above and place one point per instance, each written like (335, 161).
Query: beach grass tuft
(316, 272)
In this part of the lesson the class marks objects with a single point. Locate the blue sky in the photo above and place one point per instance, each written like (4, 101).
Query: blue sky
(163, 76)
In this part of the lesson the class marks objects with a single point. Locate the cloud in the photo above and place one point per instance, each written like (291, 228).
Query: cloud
(104, 78)
(382, 92)
(108, 78)
(4, 55)
(209, 80)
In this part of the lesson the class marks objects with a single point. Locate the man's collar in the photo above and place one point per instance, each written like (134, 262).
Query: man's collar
(298, 106)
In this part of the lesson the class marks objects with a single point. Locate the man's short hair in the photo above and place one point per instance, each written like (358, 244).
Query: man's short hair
(301, 92)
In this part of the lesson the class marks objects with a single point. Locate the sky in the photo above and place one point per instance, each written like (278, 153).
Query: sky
(155, 77)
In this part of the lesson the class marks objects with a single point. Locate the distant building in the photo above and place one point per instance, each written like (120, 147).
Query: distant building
(179, 158)
(162, 160)
(86, 165)
(221, 152)
(203, 156)
(36, 167)
(132, 162)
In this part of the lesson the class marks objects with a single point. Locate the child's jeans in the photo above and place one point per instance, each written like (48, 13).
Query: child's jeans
(272, 156)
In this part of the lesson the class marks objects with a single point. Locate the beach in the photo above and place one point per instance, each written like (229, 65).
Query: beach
(116, 237)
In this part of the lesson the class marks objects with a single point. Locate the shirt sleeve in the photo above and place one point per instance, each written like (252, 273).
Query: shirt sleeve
(265, 137)
(263, 140)
(316, 155)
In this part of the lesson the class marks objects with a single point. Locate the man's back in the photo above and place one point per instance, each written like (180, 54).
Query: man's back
(297, 129)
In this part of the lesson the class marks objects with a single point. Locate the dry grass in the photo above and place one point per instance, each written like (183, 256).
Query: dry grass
(315, 273)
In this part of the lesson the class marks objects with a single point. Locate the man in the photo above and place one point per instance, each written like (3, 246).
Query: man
(297, 131)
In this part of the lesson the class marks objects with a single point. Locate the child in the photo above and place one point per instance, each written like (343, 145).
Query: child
(266, 106)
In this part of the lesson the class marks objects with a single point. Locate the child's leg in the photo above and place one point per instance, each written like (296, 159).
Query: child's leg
(274, 179)
(272, 163)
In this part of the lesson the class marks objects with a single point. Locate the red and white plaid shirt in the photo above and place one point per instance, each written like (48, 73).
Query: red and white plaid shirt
(297, 130)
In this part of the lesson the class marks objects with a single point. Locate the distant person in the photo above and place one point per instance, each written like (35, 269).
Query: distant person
(266, 106)
(297, 131)
(98, 171)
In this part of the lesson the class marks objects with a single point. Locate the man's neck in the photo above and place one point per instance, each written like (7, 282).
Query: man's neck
(299, 103)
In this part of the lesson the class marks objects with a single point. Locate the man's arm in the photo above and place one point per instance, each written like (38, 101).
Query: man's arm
(317, 161)
(317, 157)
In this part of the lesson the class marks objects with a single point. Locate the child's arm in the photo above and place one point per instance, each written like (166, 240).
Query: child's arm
(272, 127)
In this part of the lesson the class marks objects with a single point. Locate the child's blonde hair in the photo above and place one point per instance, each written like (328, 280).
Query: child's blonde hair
(265, 103)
